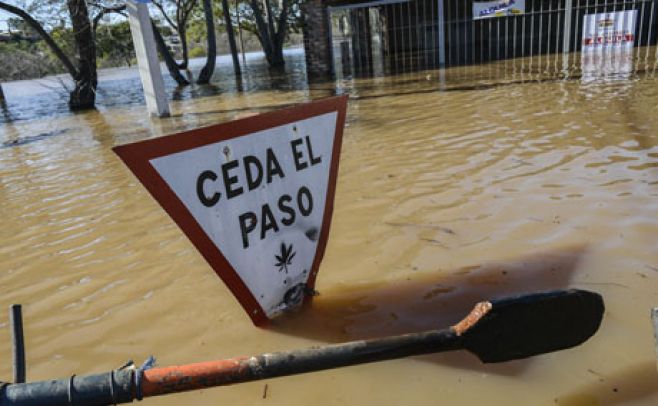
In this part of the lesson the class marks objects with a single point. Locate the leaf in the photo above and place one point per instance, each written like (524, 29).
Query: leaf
(291, 257)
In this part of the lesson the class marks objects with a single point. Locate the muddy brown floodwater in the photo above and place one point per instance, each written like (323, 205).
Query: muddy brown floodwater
(493, 180)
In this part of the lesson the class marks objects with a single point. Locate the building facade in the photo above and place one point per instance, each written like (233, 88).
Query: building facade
(365, 38)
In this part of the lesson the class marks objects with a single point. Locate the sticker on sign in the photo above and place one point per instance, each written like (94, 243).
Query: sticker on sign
(255, 197)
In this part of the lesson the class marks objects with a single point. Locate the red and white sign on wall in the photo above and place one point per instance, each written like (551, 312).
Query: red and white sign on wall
(255, 196)
(612, 30)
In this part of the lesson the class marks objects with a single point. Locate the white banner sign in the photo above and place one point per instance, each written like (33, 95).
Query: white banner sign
(609, 30)
(500, 8)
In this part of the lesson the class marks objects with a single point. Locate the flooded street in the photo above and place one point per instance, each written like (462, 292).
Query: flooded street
(454, 188)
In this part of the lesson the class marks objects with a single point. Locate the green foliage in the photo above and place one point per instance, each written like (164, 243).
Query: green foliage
(114, 46)
(196, 30)
(24, 60)
(63, 36)
(197, 52)
(248, 20)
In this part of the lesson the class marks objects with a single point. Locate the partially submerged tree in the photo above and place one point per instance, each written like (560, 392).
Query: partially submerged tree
(271, 24)
(83, 96)
(177, 14)
(211, 55)
(231, 37)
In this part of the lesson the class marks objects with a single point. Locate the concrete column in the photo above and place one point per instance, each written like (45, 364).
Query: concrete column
(442, 34)
(376, 42)
(566, 41)
(147, 58)
(317, 39)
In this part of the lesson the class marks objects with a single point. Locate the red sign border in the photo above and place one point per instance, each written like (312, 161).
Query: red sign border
(137, 156)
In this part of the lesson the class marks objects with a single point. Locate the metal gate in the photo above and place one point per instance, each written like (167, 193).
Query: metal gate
(397, 36)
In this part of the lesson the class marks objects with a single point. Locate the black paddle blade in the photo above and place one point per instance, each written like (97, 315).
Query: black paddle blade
(527, 325)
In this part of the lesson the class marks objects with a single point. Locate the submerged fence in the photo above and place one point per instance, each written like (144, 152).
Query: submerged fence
(393, 36)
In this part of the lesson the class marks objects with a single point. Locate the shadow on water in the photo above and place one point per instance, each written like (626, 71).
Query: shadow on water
(15, 141)
(429, 301)
(629, 384)
(195, 91)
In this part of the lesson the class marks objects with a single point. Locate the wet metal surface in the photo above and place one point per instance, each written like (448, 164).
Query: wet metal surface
(515, 180)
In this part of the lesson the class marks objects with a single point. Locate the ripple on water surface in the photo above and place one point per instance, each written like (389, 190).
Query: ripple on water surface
(444, 198)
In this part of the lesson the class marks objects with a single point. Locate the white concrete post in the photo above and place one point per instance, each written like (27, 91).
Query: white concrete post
(376, 42)
(566, 40)
(147, 58)
(442, 35)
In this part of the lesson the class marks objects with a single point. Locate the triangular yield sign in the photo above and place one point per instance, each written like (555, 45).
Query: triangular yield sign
(255, 196)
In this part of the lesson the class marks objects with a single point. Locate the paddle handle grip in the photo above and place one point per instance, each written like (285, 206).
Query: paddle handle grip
(160, 381)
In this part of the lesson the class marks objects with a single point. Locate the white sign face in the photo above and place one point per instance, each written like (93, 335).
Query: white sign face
(614, 30)
(608, 40)
(500, 8)
(255, 204)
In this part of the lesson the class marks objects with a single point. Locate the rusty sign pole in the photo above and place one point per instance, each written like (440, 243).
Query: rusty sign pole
(147, 58)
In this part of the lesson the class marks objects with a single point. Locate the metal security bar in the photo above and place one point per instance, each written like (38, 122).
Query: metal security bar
(398, 36)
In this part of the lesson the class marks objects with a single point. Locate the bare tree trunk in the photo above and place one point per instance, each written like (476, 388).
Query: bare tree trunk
(2, 95)
(270, 36)
(270, 19)
(282, 32)
(83, 95)
(262, 28)
(237, 15)
(169, 60)
(182, 33)
(209, 68)
(231, 37)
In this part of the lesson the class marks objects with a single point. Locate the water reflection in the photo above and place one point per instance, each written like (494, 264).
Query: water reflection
(513, 178)
(120, 87)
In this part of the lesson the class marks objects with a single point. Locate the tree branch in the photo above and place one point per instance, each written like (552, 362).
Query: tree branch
(107, 10)
(282, 26)
(46, 37)
(166, 55)
(263, 32)
(160, 7)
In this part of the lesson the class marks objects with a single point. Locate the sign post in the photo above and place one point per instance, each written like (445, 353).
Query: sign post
(255, 197)
(147, 57)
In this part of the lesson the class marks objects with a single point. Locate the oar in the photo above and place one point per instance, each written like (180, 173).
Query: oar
(495, 331)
